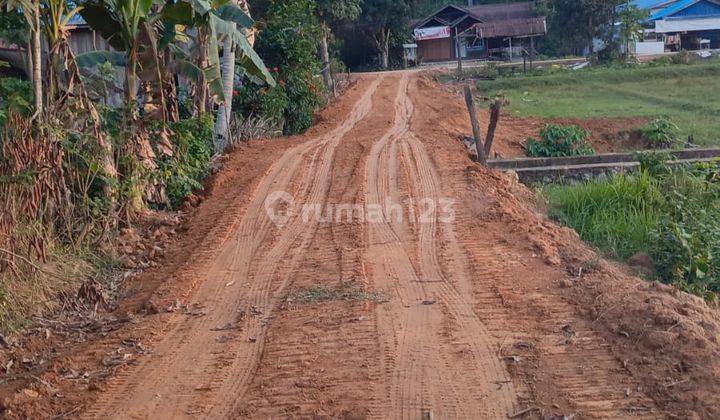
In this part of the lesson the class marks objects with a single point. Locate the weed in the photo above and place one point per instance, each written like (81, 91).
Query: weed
(670, 213)
(661, 133)
(345, 291)
(616, 215)
(558, 140)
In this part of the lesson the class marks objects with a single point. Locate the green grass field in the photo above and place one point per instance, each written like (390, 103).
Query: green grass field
(688, 94)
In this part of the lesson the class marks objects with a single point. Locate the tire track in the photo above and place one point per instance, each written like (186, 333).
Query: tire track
(422, 370)
(318, 356)
(191, 373)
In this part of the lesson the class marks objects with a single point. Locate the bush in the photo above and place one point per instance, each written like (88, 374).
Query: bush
(683, 57)
(558, 140)
(654, 163)
(289, 43)
(489, 71)
(686, 241)
(190, 164)
(266, 102)
(661, 133)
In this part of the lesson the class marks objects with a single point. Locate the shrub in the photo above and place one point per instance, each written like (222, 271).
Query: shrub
(558, 140)
(654, 163)
(489, 71)
(661, 133)
(190, 164)
(686, 241)
(289, 43)
(683, 57)
(266, 103)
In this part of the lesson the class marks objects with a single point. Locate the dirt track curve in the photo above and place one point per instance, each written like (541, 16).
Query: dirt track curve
(442, 301)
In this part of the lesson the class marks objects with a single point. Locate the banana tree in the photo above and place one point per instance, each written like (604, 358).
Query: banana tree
(237, 51)
(121, 22)
(212, 22)
(56, 18)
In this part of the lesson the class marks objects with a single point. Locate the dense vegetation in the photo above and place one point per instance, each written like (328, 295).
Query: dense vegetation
(92, 142)
(671, 213)
(652, 90)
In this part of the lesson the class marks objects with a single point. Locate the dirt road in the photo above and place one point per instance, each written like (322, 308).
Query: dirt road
(371, 270)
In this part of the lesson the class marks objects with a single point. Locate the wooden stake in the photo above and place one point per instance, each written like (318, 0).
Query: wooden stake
(495, 109)
(470, 102)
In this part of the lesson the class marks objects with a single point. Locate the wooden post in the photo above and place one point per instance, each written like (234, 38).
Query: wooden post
(457, 51)
(495, 109)
(477, 135)
(532, 51)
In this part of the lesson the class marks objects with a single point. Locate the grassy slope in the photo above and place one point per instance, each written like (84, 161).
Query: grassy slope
(689, 95)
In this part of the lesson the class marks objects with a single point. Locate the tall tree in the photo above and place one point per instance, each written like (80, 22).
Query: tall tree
(631, 19)
(573, 24)
(329, 13)
(383, 19)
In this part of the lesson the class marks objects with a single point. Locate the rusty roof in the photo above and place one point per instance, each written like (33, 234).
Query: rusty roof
(502, 11)
(511, 27)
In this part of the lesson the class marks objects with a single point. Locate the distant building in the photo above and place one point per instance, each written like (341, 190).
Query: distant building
(82, 39)
(479, 31)
(679, 24)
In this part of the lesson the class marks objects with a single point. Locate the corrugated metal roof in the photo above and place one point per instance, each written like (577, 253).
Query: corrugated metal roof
(77, 20)
(511, 27)
(673, 8)
(488, 12)
(649, 4)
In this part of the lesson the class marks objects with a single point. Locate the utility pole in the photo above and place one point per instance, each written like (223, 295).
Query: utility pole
(457, 51)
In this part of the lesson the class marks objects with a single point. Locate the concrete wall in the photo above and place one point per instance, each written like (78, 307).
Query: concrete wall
(649, 48)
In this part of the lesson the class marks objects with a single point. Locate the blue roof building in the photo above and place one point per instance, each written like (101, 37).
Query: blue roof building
(686, 24)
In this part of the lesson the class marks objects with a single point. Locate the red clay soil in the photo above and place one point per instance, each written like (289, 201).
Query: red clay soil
(485, 309)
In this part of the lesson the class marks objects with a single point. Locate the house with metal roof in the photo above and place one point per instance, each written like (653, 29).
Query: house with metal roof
(502, 30)
(682, 24)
